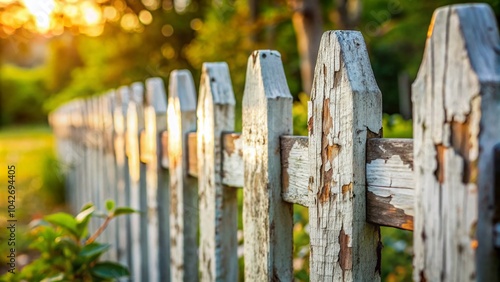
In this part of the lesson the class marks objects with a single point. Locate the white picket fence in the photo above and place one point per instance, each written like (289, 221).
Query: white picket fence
(179, 162)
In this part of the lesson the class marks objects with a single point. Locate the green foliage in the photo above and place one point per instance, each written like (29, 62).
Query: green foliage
(67, 253)
(22, 92)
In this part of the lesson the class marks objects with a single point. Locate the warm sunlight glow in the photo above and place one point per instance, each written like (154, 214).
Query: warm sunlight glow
(42, 11)
(91, 13)
(145, 17)
(89, 17)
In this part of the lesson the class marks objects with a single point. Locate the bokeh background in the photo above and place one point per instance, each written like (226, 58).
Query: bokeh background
(52, 51)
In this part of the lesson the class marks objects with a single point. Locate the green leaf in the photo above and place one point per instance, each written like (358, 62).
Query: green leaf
(124, 210)
(84, 214)
(58, 277)
(82, 220)
(64, 220)
(68, 244)
(110, 205)
(87, 206)
(109, 270)
(93, 250)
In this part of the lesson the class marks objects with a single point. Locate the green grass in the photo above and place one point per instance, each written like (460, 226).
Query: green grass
(39, 189)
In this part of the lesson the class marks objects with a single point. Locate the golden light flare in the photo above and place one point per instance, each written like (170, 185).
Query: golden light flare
(42, 12)
(145, 17)
(53, 17)
(91, 13)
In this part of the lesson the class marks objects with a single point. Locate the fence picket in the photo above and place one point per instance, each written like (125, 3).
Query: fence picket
(218, 203)
(456, 107)
(137, 171)
(122, 97)
(181, 115)
(267, 219)
(345, 110)
(109, 163)
(156, 179)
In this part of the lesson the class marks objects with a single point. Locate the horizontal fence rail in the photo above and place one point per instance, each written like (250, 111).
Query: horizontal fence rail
(179, 162)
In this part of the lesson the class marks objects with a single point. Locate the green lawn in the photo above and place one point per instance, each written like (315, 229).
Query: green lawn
(38, 185)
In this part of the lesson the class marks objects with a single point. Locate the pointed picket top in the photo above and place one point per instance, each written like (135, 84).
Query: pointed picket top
(137, 93)
(123, 97)
(345, 110)
(455, 116)
(217, 82)
(155, 94)
(182, 87)
(181, 116)
(218, 204)
(265, 72)
(267, 115)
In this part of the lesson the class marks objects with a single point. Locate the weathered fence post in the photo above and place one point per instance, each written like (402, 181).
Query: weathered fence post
(456, 100)
(267, 114)
(135, 124)
(345, 110)
(156, 179)
(181, 115)
(218, 203)
(109, 164)
(122, 183)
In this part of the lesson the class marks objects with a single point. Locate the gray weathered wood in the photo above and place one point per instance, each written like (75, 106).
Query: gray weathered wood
(345, 110)
(390, 182)
(295, 175)
(135, 124)
(120, 114)
(110, 165)
(156, 180)
(267, 219)
(232, 160)
(181, 115)
(455, 115)
(218, 203)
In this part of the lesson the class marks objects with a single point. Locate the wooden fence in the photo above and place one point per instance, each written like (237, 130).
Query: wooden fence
(180, 161)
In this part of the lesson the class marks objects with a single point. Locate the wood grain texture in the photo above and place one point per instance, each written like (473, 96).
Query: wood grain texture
(295, 176)
(390, 182)
(267, 219)
(456, 106)
(232, 159)
(345, 110)
(135, 124)
(218, 203)
(156, 180)
(181, 116)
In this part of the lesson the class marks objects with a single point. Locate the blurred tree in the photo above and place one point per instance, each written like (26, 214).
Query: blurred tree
(308, 24)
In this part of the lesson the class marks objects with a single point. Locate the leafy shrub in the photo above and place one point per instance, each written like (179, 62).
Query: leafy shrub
(67, 252)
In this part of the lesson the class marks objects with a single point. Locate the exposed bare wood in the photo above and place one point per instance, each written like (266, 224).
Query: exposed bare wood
(156, 180)
(456, 109)
(232, 159)
(181, 116)
(345, 110)
(192, 140)
(294, 172)
(267, 114)
(390, 182)
(218, 203)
